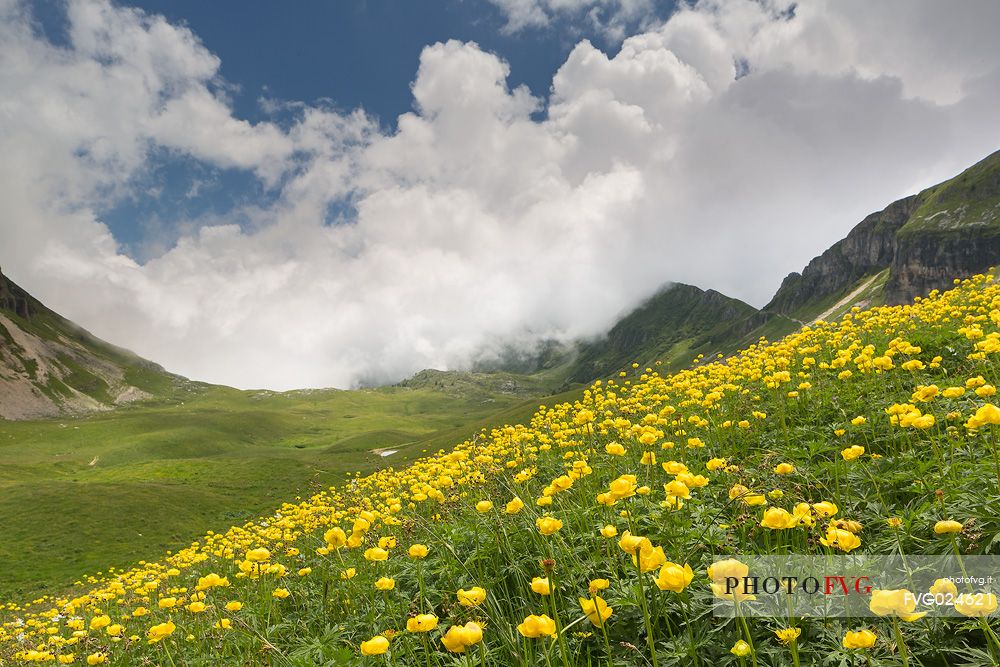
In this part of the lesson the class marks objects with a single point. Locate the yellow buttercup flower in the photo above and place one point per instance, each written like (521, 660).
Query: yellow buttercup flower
(421, 623)
(375, 646)
(160, 631)
(947, 527)
(541, 585)
(548, 525)
(514, 506)
(596, 610)
(537, 626)
(484, 506)
(788, 635)
(472, 597)
(417, 551)
(673, 577)
(895, 602)
(259, 555)
(976, 605)
(460, 637)
(859, 640)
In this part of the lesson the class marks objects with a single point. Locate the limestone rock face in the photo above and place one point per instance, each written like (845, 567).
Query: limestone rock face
(948, 231)
(51, 367)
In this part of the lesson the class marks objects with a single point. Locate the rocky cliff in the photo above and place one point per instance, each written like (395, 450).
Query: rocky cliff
(49, 366)
(926, 240)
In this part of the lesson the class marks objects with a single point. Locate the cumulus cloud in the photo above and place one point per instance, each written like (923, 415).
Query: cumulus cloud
(723, 147)
(611, 18)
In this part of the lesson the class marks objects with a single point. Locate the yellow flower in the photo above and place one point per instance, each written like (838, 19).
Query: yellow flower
(99, 622)
(304, 571)
(197, 607)
(376, 554)
(844, 540)
(976, 605)
(860, 639)
(223, 624)
(280, 593)
(537, 626)
(674, 578)
(716, 464)
(460, 637)
(541, 585)
(784, 469)
(166, 603)
(548, 525)
(776, 518)
(724, 571)
(596, 610)
(377, 645)
(825, 508)
(335, 537)
(472, 597)
(421, 623)
(97, 658)
(514, 506)
(649, 558)
(161, 631)
(417, 551)
(115, 630)
(484, 506)
(609, 531)
(788, 635)
(385, 584)
(598, 585)
(852, 452)
(858, 421)
(234, 605)
(677, 489)
(740, 649)
(211, 581)
(947, 527)
(259, 555)
(944, 587)
(630, 543)
(623, 487)
(615, 449)
(349, 573)
(896, 602)
(987, 414)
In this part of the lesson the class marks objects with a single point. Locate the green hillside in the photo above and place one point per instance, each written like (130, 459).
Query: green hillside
(672, 327)
(129, 484)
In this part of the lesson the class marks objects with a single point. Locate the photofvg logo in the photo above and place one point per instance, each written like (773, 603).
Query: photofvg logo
(907, 587)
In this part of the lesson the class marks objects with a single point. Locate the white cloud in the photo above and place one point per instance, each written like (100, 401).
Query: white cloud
(474, 221)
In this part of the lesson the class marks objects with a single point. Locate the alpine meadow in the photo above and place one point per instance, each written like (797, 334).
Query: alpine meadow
(485, 333)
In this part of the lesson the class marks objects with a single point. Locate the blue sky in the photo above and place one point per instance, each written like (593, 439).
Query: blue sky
(347, 54)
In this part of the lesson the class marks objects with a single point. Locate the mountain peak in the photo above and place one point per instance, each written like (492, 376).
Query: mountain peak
(50, 366)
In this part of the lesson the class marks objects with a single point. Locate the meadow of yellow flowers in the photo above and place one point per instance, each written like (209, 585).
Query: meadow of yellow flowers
(588, 536)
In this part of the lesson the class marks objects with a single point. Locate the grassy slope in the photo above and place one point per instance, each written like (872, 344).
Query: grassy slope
(323, 618)
(164, 473)
(971, 199)
(672, 327)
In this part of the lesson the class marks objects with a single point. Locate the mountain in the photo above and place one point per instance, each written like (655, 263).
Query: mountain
(914, 245)
(50, 366)
(672, 327)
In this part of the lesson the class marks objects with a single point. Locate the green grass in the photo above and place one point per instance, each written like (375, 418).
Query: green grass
(971, 199)
(130, 484)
